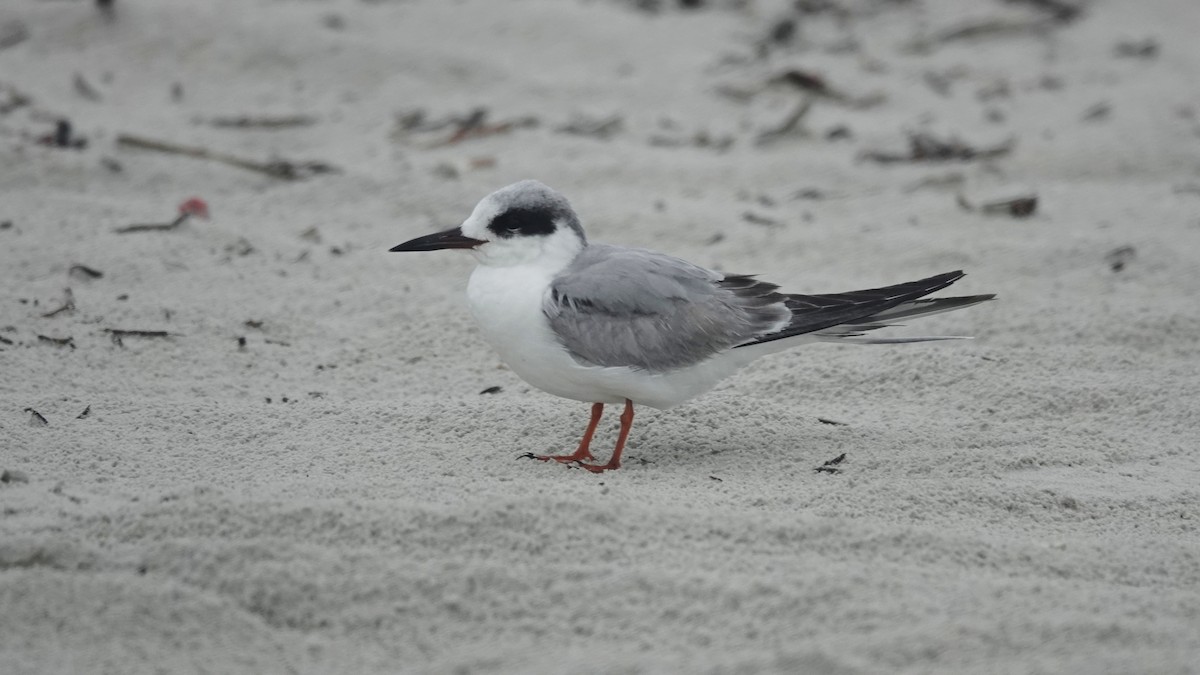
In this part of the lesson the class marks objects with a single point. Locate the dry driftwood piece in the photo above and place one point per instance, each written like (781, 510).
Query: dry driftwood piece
(925, 147)
(281, 169)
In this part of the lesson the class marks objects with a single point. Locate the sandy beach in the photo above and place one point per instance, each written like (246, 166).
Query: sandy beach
(258, 442)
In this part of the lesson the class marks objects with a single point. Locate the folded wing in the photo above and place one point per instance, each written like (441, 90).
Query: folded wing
(636, 308)
(631, 307)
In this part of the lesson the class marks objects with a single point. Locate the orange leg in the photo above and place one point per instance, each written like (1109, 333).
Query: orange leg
(615, 461)
(583, 451)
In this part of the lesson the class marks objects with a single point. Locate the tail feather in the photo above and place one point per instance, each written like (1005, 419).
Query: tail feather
(846, 317)
(928, 307)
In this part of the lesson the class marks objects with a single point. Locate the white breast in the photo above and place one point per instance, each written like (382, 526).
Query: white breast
(507, 304)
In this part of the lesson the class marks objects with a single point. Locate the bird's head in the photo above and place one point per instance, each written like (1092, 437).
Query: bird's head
(523, 223)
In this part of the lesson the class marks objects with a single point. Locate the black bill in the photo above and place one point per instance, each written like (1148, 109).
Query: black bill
(452, 238)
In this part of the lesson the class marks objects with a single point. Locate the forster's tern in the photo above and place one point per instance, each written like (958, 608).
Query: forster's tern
(608, 324)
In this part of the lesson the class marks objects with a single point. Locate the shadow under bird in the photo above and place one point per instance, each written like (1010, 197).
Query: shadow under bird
(609, 324)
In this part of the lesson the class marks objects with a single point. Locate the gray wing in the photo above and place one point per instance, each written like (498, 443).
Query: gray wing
(618, 306)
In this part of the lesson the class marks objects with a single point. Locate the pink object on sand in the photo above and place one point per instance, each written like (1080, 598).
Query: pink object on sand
(194, 207)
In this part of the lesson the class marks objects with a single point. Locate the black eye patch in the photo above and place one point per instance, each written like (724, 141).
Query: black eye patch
(523, 222)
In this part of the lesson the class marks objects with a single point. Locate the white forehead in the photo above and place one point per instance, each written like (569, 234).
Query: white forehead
(475, 226)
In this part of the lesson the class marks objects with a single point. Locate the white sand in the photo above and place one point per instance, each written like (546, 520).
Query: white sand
(1024, 503)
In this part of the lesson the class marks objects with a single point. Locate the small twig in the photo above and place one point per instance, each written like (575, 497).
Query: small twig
(67, 306)
(191, 207)
(262, 122)
(84, 271)
(924, 147)
(122, 332)
(36, 418)
(117, 333)
(835, 423)
(831, 466)
(474, 127)
(981, 29)
(756, 219)
(283, 170)
(789, 127)
(819, 86)
(58, 342)
(1018, 207)
(153, 227)
(601, 128)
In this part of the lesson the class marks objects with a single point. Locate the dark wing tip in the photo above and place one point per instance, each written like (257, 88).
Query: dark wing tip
(812, 313)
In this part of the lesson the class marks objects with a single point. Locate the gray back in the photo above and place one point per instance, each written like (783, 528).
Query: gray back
(615, 306)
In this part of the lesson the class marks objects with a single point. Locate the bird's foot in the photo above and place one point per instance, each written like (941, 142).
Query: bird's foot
(597, 468)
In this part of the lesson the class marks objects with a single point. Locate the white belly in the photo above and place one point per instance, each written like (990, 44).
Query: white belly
(507, 305)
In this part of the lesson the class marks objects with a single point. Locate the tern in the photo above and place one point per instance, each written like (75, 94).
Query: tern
(608, 324)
